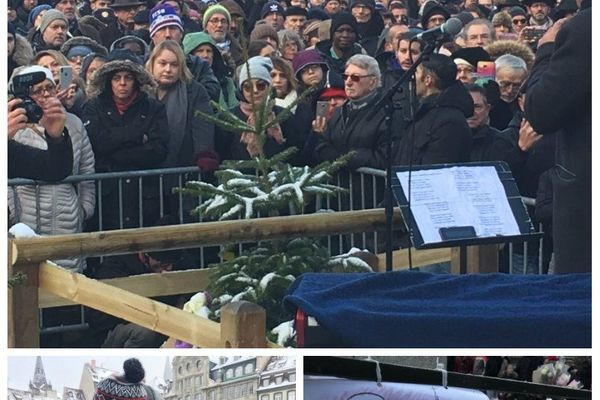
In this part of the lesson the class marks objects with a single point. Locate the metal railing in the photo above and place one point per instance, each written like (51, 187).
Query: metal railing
(365, 188)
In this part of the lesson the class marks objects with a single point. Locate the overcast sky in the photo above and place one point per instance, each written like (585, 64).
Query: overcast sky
(66, 371)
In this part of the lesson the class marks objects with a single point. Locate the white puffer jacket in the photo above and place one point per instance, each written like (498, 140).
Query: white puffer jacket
(59, 208)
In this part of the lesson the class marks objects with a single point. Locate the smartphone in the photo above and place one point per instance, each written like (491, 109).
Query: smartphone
(65, 77)
(532, 34)
(486, 69)
(322, 108)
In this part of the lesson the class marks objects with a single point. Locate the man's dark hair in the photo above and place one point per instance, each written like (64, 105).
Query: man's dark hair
(256, 46)
(477, 89)
(442, 67)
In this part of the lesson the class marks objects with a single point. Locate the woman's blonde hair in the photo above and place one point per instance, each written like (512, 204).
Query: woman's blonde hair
(184, 72)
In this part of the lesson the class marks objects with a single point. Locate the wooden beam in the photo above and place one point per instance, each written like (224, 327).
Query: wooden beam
(243, 325)
(148, 285)
(420, 258)
(24, 325)
(480, 259)
(30, 250)
(148, 313)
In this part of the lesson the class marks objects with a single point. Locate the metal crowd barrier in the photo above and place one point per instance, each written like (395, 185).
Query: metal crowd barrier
(365, 191)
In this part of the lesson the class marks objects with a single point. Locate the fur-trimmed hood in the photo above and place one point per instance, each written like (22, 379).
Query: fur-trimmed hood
(501, 47)
(118, 44)
(101, 78)
(83, 41)
(23, 53)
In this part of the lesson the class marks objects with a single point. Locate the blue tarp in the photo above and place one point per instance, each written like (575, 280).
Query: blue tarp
(418, 309)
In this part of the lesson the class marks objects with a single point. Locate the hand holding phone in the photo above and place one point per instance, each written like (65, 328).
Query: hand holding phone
(322, 109)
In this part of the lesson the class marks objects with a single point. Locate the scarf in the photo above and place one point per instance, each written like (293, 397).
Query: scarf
(287, 100)
(123, 105)
(176, 103)
(355, 105)
(224, 46)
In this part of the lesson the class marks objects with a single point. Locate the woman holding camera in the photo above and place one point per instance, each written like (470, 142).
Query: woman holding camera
(60, 208)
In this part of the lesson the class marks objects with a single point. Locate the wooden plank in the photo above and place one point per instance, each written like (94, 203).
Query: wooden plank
(148, 285)
(419, 258)
(39, 249)
(148, 313)
(24, 318)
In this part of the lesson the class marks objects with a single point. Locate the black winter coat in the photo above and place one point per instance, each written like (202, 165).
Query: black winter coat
(336, 64)
(559, 96)
(203, 74)
(53, 164)
(439, 133)
(489, 144)
(136, 140)
(350, 131)
(295, 131)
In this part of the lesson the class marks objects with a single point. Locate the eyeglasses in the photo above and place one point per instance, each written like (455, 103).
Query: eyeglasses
(354, 78)
(216, 21)
(259, 85)
(50, 89)
(519, 21)
(507, 84)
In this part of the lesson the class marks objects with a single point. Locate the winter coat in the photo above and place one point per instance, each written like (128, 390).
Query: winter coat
(439, 133)
(336, 64)
(502, 113)
(22, 54)
(50, 165)
(369, 33)
(527, 167)
(38, 44)
(489, 144)
(294, 131)
(202, 73)
(136, 140)
(60, 208)
(559, 96)
(350, 131)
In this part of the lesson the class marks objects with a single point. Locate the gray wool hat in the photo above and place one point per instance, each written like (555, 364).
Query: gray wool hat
(49, 16)
(257, 67)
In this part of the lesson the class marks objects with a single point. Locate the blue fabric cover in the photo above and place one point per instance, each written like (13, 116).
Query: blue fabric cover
(417, 309)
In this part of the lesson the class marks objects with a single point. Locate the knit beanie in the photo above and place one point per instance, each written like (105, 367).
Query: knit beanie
(441, 65)
(304, 58)
(35, 12)
(271, 6)
(215, 9)
(514, 11)
(262, 31)
(317, 13)
(163, 15)
(127, 387)
(194, 39)
(342, 18)
(28, 70)
(50, 16)
(295, 10)
(259, 68)
(368, 3)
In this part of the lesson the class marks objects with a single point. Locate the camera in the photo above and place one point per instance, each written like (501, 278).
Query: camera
(20, 89)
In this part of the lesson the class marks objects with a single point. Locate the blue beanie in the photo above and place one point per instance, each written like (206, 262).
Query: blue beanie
(35, 12)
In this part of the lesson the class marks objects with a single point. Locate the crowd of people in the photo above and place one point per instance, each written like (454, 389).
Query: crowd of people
(120, 82)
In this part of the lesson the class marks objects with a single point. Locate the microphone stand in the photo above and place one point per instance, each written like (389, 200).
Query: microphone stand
(386, 102)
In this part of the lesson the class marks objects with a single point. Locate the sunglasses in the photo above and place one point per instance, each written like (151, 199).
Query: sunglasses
(259, 85)
(354, 78)
(519, 21)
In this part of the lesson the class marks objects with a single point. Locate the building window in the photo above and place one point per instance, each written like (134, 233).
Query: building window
(278, 396)
(180, 370)
(239, 371)
(291, 395)
(279, 379)
(293, 377)
(229, 373)
(264, 397)
(248, 369)
(188, 367)
(265, 382)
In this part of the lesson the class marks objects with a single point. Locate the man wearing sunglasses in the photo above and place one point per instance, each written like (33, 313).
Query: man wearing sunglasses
(439, 133)
(348, 130)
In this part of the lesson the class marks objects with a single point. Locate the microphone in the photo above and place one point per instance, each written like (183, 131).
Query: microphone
(451, 28)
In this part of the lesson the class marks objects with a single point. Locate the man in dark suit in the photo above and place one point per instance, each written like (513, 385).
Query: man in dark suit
(559, 97)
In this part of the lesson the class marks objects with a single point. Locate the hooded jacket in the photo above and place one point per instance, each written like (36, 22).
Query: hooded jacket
(136, 140)
(203, 74)
(440, 133)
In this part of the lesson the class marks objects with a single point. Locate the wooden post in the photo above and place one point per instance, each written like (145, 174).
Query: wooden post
(480, 259)
(243, 325)
(24, 325)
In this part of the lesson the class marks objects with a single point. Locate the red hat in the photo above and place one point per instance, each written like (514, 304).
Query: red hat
(331, 92)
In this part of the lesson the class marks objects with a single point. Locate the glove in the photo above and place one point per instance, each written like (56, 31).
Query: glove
(207, 161)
